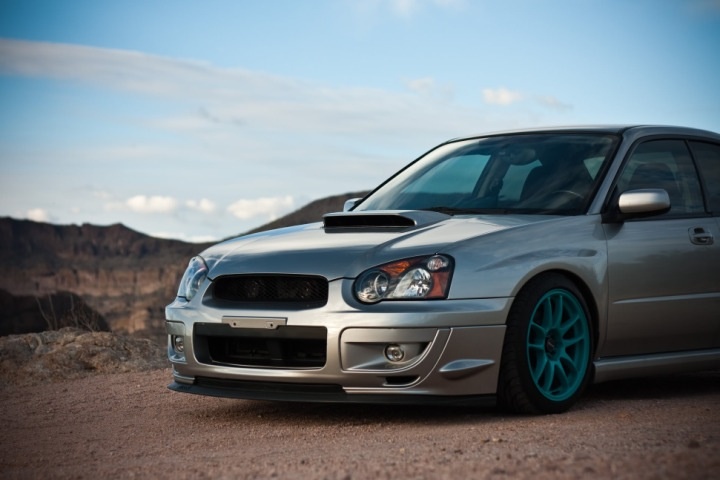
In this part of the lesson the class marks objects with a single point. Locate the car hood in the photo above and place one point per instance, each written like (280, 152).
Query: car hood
(346, 244)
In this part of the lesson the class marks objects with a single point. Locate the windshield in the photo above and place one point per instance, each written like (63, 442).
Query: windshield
(525, 173)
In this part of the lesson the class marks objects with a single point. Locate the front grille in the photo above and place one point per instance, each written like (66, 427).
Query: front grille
(288, 347)
(272, 291)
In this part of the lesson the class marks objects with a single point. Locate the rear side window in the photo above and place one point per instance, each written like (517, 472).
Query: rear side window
(665, 164)
(707, 157)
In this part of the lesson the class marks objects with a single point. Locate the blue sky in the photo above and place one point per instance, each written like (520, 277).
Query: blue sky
(201, 120)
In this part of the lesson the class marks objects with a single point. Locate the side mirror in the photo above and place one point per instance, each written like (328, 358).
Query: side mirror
(350, 204)
(638, 204)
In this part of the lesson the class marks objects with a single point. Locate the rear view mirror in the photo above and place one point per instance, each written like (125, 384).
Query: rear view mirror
(639, 203)
(350, 204)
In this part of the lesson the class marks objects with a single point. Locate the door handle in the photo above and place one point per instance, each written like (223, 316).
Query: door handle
(700, 236)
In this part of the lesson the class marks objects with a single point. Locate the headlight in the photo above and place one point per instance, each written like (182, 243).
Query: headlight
(418, 278)
(192, 279)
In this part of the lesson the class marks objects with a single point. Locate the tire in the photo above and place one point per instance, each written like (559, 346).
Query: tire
(546, 358)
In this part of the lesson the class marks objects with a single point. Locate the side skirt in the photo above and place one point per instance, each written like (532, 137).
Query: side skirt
(615, 368)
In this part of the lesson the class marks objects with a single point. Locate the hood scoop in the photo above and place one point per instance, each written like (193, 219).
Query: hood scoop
(380, 220)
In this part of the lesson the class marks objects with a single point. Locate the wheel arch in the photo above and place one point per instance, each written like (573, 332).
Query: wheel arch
(518, 388)
(586, 293)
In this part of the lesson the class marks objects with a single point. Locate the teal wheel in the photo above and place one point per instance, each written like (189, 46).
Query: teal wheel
(548, 347)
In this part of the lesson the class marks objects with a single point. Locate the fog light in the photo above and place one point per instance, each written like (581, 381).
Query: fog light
(179, 343)
(394, 353)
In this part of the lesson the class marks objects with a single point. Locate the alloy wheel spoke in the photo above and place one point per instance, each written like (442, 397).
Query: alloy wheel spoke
(543, 314)
(574, 340)
(540, 347)
(539, 367)
(562, 377)
(559, 309)
(549, 376)
(570, 322)
(568, 363)
(538, 331)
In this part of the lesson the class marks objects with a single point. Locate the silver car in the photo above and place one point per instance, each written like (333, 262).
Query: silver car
(512, 268)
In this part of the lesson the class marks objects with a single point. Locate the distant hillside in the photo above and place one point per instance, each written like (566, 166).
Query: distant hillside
(123, 277)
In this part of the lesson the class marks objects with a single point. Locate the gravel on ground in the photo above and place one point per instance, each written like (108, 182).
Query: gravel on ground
(129, 425)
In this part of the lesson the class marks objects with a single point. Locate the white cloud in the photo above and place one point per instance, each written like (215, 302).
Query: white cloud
(101, 195)
(428, 87)
(185, 237)
(422, 85)
(38, 215)
(227, 107)
(114, 206)
(200, 238)
(552, 102)
(203, 205)
(504, 96)
(501, 96)
(153, 204)
(404, 7)
(268, 207)
(229, 121)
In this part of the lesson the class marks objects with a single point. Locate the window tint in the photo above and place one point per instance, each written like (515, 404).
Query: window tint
(593, 165)
(458, 175)
(665, 164)
(546, 173)
(707, 156)
(514, 181)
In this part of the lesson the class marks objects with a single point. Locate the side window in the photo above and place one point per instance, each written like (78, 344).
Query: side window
(707, 156)
(665, 164)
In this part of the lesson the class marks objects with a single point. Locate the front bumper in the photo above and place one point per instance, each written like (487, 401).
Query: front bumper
(452, 351)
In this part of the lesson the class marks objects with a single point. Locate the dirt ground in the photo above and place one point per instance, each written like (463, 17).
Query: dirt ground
(128, 425)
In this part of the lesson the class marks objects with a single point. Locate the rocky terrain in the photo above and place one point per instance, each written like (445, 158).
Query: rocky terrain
(68, 353)
(115, 277)
(30, 313)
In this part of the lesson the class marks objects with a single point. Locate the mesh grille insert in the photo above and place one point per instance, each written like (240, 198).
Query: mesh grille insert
(297, 291)
(288, 347)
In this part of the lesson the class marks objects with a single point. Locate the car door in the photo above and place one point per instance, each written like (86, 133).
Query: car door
(663, 271)
(707, 158)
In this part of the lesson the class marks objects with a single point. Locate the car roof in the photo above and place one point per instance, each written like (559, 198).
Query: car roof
(636, 130)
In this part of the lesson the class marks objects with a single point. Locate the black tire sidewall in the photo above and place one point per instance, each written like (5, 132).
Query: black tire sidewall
(516, 388)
